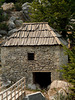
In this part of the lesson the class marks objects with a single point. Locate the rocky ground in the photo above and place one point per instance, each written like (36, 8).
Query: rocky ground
(58, 90)
(14, 18)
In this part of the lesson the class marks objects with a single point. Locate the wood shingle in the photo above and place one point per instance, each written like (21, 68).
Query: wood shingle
(35, 34)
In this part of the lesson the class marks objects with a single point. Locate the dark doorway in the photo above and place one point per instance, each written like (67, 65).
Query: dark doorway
(42, 78)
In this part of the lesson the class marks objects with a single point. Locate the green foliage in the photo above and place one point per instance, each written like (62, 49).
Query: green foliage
(1, 2)
(18, 6)
(69, 69)
(3, 26)
(56, 12)
(2, 16)
(10, 1)
(23, 1)
(18, 1)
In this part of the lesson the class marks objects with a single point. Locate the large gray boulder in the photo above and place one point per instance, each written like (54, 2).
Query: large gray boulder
(57, 89)
(11, 25)
(4, 14)
(32, 86)
(18, 22)
(3, 32)
(0, 36)
(6, 84)
(7, 6)
(12, 18)
(25, 9)
(11, 32)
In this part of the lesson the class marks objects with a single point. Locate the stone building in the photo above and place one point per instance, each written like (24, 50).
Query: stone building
(35, 52)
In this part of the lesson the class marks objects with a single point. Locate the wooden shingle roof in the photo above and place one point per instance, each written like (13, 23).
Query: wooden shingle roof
(35, 34)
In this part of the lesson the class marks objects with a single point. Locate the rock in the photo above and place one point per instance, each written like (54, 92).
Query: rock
(3, 32)
(0, 60)
(5, 14)
(60, 84)
(18, 22)
(7, 6)
(59, 95)
(6, 84)
(0, 36)
(12, 31)
(57, 89)
(17, 14)
(12, 18)
(32, 86)
(48, 87)
(38, 87)
(61, 91)
(11, 25)
(25, 8)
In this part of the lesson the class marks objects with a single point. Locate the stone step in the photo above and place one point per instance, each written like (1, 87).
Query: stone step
(35, 96)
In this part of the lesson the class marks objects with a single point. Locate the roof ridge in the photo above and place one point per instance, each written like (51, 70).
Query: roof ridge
(24, 38)
(36, 23)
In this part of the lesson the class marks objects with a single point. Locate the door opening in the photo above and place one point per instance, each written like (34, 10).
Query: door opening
(42, 78)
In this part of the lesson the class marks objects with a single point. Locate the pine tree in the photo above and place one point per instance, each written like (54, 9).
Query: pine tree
(69, 70)
(56, 12)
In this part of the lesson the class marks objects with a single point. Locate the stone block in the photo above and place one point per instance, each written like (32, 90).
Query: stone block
(35, 96)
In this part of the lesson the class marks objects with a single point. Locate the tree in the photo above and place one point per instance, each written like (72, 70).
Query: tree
(3, 25)
(18, 1)
(1, 1)
(56, 12)
(69, 69)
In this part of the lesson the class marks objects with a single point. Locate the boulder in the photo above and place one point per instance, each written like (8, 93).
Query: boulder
(0, 60)
(60, 84)
(11, 31)
(32, 86)
(12, 18)
(0, 36)
(25, 8)
(17, 14)
(6, 84)
(4, 14)
(3, 32)
(59, 95)
(7, 6)
(58, 89)
(11, 25)
(63, 92)
(18, 22)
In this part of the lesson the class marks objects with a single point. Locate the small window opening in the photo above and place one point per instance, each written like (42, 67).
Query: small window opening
(30, 56)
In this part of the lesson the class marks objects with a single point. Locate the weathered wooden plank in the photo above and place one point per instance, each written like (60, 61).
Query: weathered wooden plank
(13, 92)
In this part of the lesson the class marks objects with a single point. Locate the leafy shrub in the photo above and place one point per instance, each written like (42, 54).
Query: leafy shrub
(3, 17)
(3, 26)
(18, 1)
(18, 6)
(69, 70)
(1, 10)
(23, 1)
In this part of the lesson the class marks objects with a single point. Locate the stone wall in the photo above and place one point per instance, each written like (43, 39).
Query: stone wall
(15, 63)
